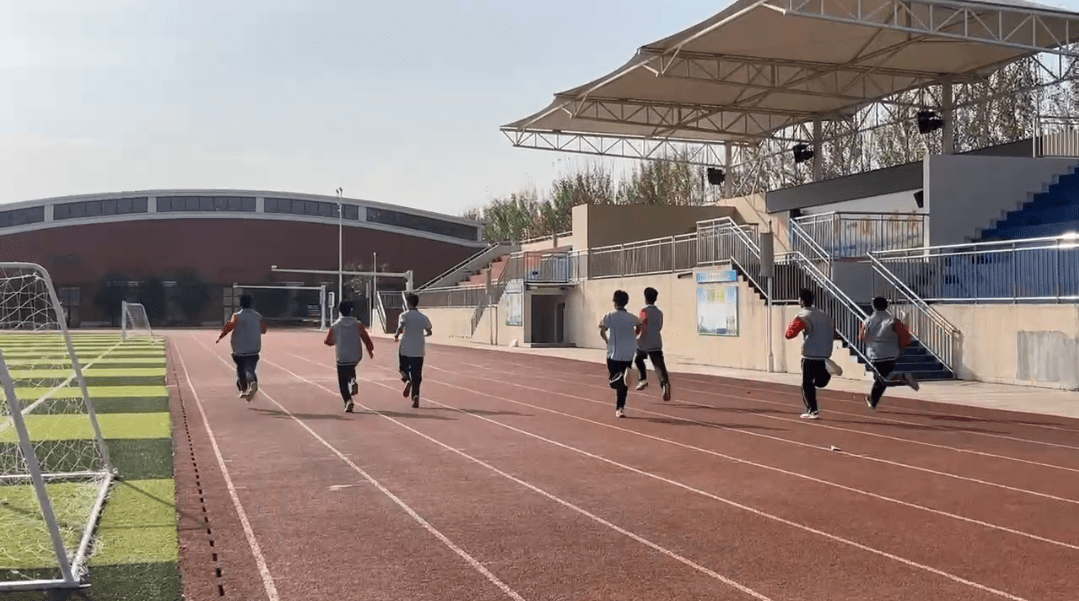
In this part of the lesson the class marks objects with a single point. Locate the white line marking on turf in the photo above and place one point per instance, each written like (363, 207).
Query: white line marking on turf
(803, 444)
(735, 504)
(472, 561)
(26, 410)
(768, 467)
(267, 580)
(546, 494)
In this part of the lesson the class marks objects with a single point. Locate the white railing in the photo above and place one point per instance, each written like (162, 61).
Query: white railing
(939, 337)
(474, 263)
(840, 235)
(1056, 136)
(802, 242)
(659, 255)
(1030, 270)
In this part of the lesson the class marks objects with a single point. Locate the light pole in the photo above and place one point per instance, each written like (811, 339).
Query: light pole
(340, 247)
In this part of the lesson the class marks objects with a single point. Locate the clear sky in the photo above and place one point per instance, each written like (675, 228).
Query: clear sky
(398, 101)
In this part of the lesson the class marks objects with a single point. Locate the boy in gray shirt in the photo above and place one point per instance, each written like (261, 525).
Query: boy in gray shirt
(346, 335)
(818, 334)
(884, 337)
(650, 344)
(619, 330)
(412, 328)
(247, 328)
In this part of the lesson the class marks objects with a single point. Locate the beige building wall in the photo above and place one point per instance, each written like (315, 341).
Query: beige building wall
(677, 298)
(752, 209)
(1027, 345)
(606, 225)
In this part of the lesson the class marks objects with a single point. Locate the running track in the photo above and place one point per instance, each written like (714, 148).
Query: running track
(514, 480)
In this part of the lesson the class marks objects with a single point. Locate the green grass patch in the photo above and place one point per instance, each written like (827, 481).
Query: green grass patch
(96, 392)
(25, 542)
(76, 427)
(150, 404)
(130, 582)
(138, 524)
(94, 371)
(133, 458)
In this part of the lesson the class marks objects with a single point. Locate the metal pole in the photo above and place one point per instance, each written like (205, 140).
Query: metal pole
(771, 334)
(340, 246)
(374, 283)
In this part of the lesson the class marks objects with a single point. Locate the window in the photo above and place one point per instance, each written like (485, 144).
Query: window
(17, 217)
(205, 204)
(309, 208)
(422, 223)
(97, 208)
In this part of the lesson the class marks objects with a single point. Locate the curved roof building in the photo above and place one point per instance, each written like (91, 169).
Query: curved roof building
(223, 236)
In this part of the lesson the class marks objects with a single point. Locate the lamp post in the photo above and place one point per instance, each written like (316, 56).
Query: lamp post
(340, 247)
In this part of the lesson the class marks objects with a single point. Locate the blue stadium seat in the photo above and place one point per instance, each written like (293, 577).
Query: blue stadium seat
(1050, 213)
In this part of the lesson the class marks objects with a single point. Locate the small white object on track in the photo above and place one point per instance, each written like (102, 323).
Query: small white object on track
(835, 448)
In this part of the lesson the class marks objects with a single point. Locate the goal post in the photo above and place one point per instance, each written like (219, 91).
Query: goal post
(322, 314)
(55, 470)
(134, 322)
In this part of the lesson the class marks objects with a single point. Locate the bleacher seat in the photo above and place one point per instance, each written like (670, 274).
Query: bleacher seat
(1050, 213)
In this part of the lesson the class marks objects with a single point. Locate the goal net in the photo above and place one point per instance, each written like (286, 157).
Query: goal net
(134, 322)
(54, 467)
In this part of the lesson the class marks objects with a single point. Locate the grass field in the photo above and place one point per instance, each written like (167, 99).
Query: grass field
(135, 550)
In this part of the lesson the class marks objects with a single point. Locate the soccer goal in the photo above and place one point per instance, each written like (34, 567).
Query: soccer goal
(55, 470)
(134, 322)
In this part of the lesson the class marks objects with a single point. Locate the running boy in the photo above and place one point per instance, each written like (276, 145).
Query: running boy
(346, 334)
(619, 330)
(884, 337)
(650, 344)
(412, 328)
(247, 328)
(818, 333)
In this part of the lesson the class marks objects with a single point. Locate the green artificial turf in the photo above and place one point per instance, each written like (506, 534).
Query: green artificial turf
(76, 427)
(136, 550)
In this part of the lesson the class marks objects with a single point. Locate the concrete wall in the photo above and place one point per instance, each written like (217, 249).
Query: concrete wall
(1028, 345)
(893, 180)
(677, 298)
(605, 225)
(752, 209)
(896, 202)
(966, 193)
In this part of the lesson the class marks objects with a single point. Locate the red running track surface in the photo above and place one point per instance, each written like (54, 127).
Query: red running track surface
(514, 480)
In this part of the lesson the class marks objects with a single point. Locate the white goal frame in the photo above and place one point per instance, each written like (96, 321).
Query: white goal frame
(71, 568)
(124, 321)
(322, 326)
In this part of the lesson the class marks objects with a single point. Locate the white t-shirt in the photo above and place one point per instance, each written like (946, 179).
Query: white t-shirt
(412, 340)
(621, 327)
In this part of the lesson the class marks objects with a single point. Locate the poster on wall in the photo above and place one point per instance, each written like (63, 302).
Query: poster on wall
(514, 294)
(717, 303)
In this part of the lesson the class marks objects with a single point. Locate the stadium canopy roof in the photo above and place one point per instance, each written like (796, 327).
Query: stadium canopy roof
(760, 66)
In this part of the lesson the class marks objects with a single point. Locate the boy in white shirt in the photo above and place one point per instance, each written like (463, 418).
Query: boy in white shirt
(412, 328)
(619, 330)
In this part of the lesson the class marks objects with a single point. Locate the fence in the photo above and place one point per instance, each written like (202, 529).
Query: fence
(1038, 269)
(452, 296)
(1056, 136)
(659, 255)
(852, 234)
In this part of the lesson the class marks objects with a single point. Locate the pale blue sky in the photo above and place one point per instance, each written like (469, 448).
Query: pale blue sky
(396, 101)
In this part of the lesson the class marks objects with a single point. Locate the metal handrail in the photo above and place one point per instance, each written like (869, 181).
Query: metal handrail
(817, 249)
(458, 266)
(973, 247)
